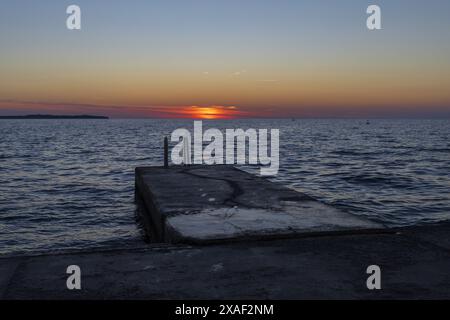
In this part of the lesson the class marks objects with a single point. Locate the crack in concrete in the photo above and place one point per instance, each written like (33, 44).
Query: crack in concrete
(236, 189)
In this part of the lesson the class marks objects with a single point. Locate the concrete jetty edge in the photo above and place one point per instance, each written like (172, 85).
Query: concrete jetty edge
(213, 204)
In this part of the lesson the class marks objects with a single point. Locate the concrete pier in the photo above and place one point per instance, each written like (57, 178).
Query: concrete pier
(205, 204)
(264, 242)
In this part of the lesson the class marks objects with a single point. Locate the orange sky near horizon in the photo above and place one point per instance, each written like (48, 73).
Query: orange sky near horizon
(180, 112)
(345, 88)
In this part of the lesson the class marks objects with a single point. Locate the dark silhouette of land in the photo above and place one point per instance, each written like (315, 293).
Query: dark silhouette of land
(48, 116)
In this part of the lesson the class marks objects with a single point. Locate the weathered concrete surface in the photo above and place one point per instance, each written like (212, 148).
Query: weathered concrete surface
(415, 263)
(198, 204)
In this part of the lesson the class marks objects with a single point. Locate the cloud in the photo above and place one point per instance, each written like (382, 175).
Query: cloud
(17, 107)
(240, 72)
(205, 112)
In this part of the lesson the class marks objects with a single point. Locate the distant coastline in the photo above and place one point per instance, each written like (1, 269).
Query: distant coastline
(49, 116)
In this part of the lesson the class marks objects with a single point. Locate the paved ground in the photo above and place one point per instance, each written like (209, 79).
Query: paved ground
(415, 263)
(198, 204)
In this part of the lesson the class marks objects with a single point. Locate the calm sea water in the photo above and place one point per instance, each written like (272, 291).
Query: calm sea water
(69, 184)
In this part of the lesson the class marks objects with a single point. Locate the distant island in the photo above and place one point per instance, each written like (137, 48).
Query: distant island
(48, 116)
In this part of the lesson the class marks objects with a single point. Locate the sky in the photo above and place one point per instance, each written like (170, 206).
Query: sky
(225, 59)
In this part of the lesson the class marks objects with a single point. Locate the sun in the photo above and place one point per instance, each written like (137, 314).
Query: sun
(208, 113)
(211, 112)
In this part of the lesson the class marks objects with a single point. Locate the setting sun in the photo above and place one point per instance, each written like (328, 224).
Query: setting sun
(206, 113)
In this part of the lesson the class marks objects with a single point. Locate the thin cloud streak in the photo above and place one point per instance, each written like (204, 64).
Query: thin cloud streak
(17, 107)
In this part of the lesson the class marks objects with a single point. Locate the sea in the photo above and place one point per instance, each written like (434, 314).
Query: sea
(69, 184)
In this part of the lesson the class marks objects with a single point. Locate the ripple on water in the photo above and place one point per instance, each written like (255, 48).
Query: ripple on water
(69, 184)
